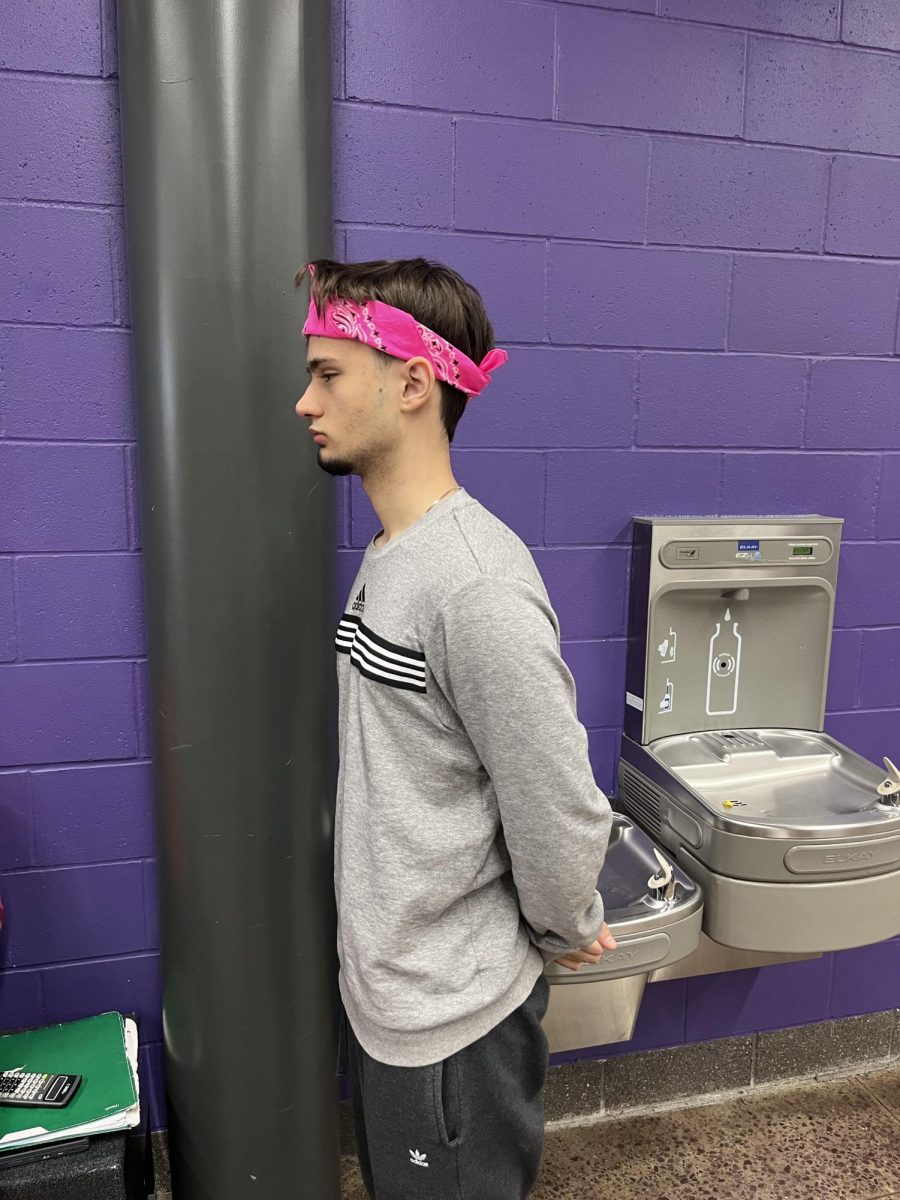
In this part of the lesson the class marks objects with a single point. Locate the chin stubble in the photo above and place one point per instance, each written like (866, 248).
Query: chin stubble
(334, 466)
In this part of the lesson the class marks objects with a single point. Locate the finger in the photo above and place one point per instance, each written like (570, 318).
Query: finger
(590, 956)
(584, 958)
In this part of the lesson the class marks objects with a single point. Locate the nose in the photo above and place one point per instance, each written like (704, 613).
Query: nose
(304, 406)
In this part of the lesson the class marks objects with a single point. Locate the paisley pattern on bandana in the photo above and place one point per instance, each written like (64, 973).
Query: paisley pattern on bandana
(442, 355)
(396, 332)
(345, 316)
(348, 318)
(376, 336)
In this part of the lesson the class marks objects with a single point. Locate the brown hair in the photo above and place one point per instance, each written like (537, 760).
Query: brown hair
(435, 294)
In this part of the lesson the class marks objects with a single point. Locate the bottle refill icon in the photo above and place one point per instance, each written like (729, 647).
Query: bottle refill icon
(793, 837)
(724, 668)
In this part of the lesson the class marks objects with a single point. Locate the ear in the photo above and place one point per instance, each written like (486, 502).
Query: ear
(419, 383)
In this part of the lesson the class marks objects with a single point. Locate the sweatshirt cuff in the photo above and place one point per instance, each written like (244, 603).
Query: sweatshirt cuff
(552, 946)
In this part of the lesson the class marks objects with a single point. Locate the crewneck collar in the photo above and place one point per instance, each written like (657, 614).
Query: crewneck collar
(448, 504)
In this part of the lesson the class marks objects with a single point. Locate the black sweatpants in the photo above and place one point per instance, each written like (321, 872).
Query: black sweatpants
(468, 1128)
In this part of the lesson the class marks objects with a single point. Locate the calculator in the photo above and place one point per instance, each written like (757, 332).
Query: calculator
(37, 1089)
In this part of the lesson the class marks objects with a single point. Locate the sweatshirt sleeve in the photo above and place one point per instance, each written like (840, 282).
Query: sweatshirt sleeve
(493, 648)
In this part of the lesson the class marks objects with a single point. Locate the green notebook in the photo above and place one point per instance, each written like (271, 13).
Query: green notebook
(102, 1049)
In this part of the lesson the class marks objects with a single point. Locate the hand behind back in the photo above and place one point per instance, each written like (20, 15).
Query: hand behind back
(576, 959)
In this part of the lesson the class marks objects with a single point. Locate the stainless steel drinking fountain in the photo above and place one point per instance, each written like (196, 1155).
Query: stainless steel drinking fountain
(793, 837)
(655, 912)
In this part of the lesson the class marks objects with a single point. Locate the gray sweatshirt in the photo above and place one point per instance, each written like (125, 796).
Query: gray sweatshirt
(469, 830)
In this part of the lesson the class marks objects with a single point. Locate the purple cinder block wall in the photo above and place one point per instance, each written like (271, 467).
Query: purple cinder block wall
(684, 224)
(77, 841)
(684, 217)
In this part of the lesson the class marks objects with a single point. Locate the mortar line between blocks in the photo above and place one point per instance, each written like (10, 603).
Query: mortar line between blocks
(344, 55)
(30, 793)
(804, 402)
(14, 586)
(103, 46)
(113, 282)
(857, 683)
(729, 295)
(831, 159)
(554, 104)
(130, 524)
(545, 333)
(136, 760)
(636, 398)
(136, 706)
(61, 76)
(744, 82)
(647, 195)
(842, 712)
(624, 130)
(88, 960)
(619, 348)
(47, 868)
(111, 553)
(571, 239)
(546, 473)
(777, 35)
(144, 906)
(879, 486)
(453, 134)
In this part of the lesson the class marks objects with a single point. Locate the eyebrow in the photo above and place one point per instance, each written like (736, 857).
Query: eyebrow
(314, 363)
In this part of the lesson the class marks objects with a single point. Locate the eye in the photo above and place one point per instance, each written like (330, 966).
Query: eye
(331, 376)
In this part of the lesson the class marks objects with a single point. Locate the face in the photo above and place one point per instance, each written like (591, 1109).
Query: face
(347, 402)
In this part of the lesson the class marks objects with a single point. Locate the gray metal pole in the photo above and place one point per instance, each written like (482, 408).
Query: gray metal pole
(226, 119)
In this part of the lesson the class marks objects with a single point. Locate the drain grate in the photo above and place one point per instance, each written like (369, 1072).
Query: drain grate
(732, 739)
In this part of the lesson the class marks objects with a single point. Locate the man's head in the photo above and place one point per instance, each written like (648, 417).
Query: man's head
(372, 406)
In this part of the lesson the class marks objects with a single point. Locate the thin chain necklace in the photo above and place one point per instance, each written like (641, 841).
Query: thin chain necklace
(457, 488)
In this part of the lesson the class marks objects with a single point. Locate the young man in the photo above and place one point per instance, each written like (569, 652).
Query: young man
(469, 831)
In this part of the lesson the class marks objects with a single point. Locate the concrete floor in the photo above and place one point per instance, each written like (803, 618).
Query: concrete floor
(835, 1139)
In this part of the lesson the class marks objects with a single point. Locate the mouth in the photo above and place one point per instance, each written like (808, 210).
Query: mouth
(318, 437)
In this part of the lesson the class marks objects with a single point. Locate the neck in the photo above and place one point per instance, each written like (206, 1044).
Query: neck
(401, 492)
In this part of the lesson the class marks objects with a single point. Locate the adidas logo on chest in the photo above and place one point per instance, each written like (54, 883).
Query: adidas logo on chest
(375, 657)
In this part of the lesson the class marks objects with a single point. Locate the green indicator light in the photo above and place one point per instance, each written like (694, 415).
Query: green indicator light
(801, 549)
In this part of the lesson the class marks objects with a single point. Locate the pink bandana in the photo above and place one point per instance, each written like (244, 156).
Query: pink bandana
(399, 334)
